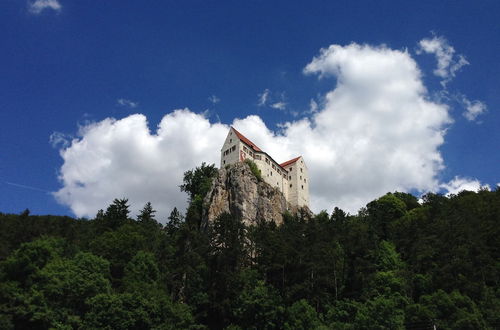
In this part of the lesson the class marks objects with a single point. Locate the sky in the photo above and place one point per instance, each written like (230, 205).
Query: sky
(117, 99)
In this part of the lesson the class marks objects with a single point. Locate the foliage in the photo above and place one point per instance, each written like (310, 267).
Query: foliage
(255, 170)
(396, 264)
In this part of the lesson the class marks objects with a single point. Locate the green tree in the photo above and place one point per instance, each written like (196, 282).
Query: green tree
(258, 305)
(301, 315)
(383, 212)
(141, 273)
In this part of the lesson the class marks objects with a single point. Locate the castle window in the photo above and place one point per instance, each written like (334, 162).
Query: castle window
(224, 162)
(291, 168)
(301, 177)
(267, 160)
(302, 186)
(284, 175)
(290, 177)
(230, 140)
(271, 173)
(301, 170)
(290, 185)
(305, 180)
(233, 148)
(257, 157)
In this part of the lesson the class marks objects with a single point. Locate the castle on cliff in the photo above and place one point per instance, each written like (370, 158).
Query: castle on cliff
(290, 177)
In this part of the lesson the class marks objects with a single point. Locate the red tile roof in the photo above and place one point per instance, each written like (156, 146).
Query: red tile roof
(247, 141)
(291, 161)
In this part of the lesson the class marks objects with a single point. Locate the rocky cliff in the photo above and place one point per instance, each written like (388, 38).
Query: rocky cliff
(236, 190)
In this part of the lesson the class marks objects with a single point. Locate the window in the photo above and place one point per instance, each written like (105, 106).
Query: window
(230, 140)
(301, 170)
(305, 180)
(257, 157)
(224, 162)
(291, 168)
(233, 148)
(290, 185)
(271, 173)
(267, 160)
(300, 177)
(302, 187)
(284, 175)
(290, 177)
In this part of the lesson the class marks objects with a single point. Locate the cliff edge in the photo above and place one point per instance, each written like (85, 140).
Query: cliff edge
(236, 190)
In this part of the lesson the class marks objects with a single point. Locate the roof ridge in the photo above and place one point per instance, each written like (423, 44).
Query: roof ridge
(291, 161)
(246, 140)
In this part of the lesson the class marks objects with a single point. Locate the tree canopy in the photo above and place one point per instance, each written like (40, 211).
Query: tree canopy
(396, 264)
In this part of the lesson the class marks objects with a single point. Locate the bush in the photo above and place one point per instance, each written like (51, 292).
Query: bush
(255, 170)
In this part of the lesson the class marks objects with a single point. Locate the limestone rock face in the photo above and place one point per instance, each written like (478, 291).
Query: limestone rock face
(237, 191)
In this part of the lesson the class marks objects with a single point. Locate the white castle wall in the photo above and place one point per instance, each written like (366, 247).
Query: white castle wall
(298, 183)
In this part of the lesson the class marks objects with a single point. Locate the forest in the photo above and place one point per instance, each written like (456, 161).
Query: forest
(399, 263)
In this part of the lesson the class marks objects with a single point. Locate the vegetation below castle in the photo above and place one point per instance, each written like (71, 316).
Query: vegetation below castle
(396, 263)
(255, 170)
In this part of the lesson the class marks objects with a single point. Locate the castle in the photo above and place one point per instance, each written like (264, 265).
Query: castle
(290, 177)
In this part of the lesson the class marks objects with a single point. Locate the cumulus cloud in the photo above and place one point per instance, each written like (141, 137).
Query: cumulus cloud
(313, 106)
(38, 6)
(376, 131)
(459, 184)
(447, 62)
(127, 103)
(122, 158)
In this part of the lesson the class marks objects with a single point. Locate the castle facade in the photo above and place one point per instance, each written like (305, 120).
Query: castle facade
(290, 177)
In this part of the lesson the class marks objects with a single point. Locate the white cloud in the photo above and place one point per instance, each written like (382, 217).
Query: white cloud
(214, 99)
(473, 108)
(313, 106)
(59, 140)
(279, 105)
(127, 103)
(122, 158)
(376, 131)
(459, 184)
(38, 6)
(263, 97)
(447, 63)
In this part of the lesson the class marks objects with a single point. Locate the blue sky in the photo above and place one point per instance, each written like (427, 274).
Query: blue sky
(66, 66)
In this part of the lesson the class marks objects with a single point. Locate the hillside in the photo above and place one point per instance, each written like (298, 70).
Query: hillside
(395, 264)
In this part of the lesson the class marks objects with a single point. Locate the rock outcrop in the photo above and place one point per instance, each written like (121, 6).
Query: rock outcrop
(236, 190)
